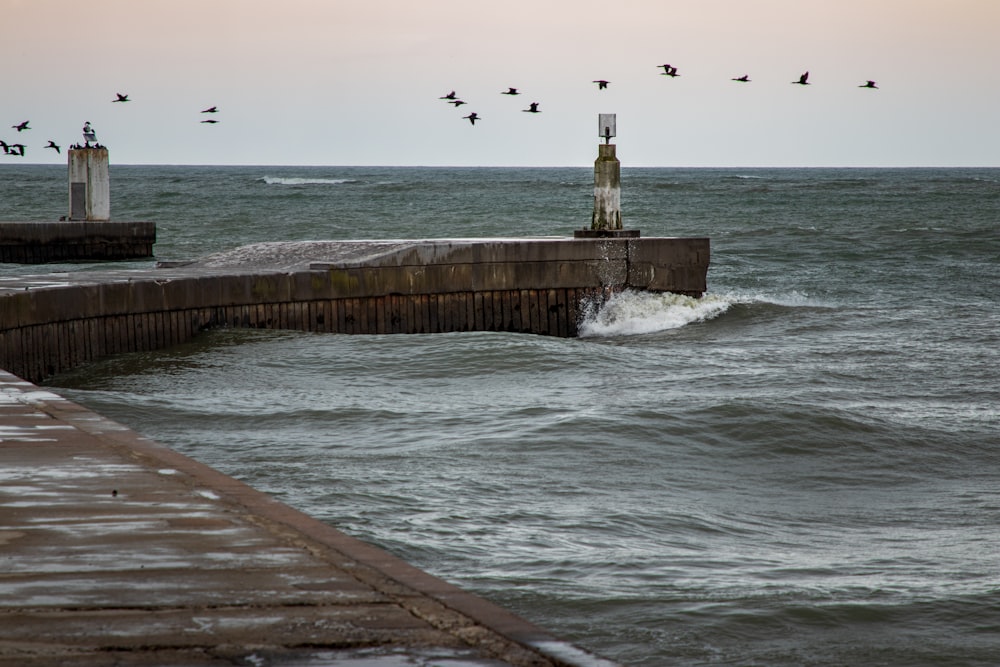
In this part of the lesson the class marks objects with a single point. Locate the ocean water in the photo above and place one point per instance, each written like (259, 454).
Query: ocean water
(802, 468)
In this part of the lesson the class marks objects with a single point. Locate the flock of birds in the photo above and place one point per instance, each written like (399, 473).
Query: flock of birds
(602, 84)
(89, 134)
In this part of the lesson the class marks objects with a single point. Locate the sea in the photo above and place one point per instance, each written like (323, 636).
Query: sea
(800, 468)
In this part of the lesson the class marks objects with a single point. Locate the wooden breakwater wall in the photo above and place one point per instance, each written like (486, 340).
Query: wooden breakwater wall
(44, 242)
(52, 323)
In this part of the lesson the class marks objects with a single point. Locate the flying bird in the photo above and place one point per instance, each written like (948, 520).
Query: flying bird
(457, 103)
(803, 80)
(21, 126)
(745, 78)
(870, 84)
(449, 96)
(473, 117)
(121, 98)
(601, 84)
(510, 91)
(210, 120)
(532, 108)
(5, 146)
(210, 110)
(15, 149)
(52, 144)
(669, 70)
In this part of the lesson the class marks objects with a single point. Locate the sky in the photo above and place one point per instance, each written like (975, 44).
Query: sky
(358, 82)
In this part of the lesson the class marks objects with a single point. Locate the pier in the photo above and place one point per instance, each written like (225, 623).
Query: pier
(52, 323)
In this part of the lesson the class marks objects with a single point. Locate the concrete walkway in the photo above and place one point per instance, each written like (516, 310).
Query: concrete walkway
(115, 550)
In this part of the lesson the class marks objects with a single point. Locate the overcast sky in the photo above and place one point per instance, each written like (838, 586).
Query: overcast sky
(357, 82)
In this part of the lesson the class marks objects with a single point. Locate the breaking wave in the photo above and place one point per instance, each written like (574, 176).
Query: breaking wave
(283, 180)
(632, 313)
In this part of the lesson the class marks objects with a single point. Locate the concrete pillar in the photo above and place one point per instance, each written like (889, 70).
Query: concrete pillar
(607, 190)
(89, 184)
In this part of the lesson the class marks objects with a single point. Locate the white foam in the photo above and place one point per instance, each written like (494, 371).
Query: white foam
(279, 180)
(630, 313)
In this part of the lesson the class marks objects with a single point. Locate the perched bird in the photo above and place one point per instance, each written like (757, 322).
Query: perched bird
(121, 98)
(745, 78)
(473, 117)
(803, 80)
(52, 144)
(210, 120)
(532, 108)
(457, 103)
(88, 133)
(21, 126)
(210, 110)
(601, 84)
(870, 84)
(510, 91)
(449, 96)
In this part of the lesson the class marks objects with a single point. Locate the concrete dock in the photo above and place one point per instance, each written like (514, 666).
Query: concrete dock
(115, 550)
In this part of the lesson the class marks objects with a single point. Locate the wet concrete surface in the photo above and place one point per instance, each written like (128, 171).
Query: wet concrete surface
(115, 550)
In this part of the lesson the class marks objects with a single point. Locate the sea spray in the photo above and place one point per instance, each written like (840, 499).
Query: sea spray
(631, 312)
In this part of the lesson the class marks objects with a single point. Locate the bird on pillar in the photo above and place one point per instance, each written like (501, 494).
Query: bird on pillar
(88, 134)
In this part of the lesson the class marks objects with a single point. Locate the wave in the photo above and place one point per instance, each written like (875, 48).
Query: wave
(632, 313)
(283, 180)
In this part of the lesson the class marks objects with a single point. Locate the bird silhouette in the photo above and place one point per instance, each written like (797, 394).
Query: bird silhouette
(210, 110)
(210, 120)
(601, 84)
(5, 146)
(532, 108)
(52, 144)
(669, 70)
(745, 78)
(869, 84)
(473, 117)
(21, 126)
(121, 98)
(14, 149)
(510, 91)
(457, 103)
(803, 80)
(449, 96)
(88, 133)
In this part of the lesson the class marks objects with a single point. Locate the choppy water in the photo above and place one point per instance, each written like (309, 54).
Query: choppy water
(801, 469)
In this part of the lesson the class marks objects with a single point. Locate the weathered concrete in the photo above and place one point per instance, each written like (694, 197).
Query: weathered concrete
(115, 550)
(42, 242)
(607, 190)
(51, 323)
(89, 184)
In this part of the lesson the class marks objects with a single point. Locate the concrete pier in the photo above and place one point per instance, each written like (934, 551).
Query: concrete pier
(45, 242)
(52, 323)
(89, 184)
(117, 551)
